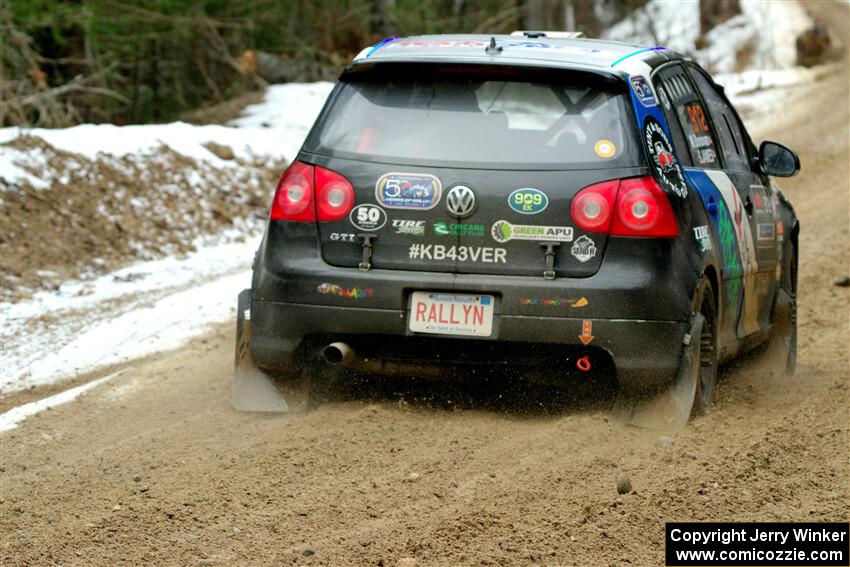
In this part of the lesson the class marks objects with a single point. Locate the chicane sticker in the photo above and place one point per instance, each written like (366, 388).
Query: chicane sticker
(643, 90)
(411, 227)
(605, 148)
(665, 163)
(446, 229)
(503, 231)
(408, 191)
(483, 254)
(583, 249)
(528, 201)
(368, 217)
(339, 291)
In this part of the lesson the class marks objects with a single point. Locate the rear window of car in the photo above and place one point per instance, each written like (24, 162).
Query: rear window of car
(479, 116)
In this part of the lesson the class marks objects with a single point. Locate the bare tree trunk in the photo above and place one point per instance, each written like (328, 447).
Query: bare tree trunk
(714, 12)
(385, 22)
(533, 14)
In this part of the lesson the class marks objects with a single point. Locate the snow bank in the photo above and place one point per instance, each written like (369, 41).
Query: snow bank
(274, 128)
(766, 30)
(138, 310)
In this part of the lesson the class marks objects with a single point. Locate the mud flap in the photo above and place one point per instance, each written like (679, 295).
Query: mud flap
(252, 390)
(671, 408)
(782, 346)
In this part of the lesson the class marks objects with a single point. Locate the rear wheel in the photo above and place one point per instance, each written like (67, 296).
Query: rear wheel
(692, 390)
(707, 374)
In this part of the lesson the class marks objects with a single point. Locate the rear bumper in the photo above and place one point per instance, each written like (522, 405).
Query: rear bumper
(639, 303)
(645, 353)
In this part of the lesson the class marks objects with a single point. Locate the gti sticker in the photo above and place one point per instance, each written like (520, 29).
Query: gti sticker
(339, 291)
(555, 301)
(503, 231)
(368, 217)
(449, 229)
(408, 191)
(605, 148)
(342, 237)
(528, 201)
(661, 151)
(484, 254)
(583, 249)
(411, 227)
(703, 237)
(643, 90)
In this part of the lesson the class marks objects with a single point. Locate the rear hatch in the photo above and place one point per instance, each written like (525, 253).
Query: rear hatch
(471, 168)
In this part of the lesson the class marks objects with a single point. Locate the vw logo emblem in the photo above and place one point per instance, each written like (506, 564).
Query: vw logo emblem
(460, 201)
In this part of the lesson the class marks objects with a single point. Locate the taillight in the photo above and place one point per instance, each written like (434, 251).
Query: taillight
(635, 207)
(335, 196)
(592, 208)
(643, 209)
(293, 199)
(305, 190)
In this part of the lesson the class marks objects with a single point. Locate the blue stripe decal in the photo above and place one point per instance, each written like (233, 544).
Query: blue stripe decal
(380, 44)
(639, 51)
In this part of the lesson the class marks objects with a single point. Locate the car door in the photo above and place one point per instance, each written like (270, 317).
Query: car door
(754, 209)
(696, 147)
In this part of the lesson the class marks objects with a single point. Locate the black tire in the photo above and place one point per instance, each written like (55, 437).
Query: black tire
(783, 332)
(704, 305)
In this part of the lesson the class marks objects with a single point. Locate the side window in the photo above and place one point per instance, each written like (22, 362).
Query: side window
(732, 141)
(682, 106)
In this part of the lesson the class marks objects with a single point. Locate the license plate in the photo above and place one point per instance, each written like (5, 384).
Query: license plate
(451, 314)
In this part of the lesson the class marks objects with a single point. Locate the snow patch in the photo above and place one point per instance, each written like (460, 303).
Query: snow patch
(15, 416)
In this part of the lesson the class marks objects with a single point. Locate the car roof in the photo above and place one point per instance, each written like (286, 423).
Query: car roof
(607, 57)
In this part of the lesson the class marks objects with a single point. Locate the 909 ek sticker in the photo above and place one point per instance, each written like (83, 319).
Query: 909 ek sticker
(408, 191)
(528, 201)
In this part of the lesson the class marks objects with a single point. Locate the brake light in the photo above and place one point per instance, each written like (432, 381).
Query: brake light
(643, 210)
(335, 196)
(304, 190)
(293, 199)
(592, 208)
(635, 207)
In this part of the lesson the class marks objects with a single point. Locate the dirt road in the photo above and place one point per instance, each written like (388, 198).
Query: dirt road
(155, 468)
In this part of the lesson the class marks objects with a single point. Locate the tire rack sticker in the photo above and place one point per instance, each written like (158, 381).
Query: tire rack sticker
(416, 191)
(661, 152)
(439, 252)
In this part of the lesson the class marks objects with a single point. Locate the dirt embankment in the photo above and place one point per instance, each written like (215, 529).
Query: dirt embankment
(100, 214)
(155, 468)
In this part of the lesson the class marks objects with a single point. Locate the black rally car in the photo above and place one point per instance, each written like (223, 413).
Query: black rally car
(478, 199)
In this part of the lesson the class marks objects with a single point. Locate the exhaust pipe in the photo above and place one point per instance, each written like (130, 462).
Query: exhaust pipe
(338, 354)
(341, 354)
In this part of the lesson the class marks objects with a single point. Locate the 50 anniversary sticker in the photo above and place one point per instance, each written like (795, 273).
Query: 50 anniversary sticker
(408, 191)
